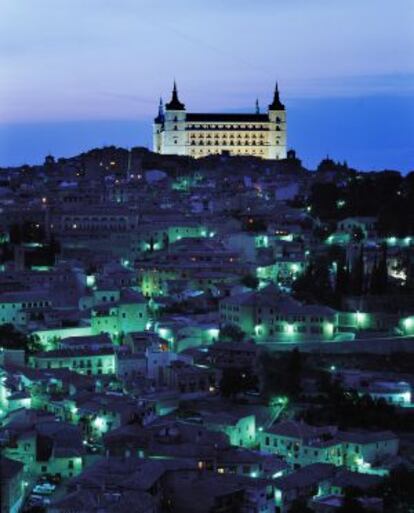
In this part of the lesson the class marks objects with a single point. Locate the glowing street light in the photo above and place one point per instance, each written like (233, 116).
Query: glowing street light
(290, 329)
(408, 323)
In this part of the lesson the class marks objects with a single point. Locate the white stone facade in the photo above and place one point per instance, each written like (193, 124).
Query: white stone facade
(178, 132)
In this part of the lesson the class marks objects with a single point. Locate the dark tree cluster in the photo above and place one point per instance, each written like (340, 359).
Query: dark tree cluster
(235, 381)
(29, 231)
(386, 195)
(319, 285)
(282, 374)
(397, 490)
(349, 410)
(254, 225)
(250, 281)
(315, 284)
(231, 333)
(353, 279)
(11, 338)
(44, 255)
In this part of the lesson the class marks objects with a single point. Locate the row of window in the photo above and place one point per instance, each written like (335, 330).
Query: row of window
(231, 127)
(295, 446)
(230, 318)
(224, 136)
(29, 304)
(229, 143)
(3, 320)
(229, 307)
(80, 364)
(204, 152)
(104, 219)
(291, 318)
(295, 329)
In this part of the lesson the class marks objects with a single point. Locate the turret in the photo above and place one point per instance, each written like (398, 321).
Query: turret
(157, 128)
(174, 118)
(175, 103)
(277, 116)
(160, 117)
(276, 103)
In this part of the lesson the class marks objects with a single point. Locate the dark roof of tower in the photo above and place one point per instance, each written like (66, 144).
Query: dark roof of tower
(175, 103)
(276, 103)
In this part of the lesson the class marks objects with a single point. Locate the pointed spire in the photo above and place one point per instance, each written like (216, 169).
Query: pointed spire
(160, 116)
(175, 103)
(276, 103)
(257, 106)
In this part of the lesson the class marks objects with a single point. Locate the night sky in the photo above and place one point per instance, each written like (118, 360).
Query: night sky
(83, 73)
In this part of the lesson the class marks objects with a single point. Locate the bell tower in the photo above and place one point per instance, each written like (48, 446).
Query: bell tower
(175, 137)
(277, 118)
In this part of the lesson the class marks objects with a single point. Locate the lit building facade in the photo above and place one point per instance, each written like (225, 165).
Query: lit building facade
(178, 132)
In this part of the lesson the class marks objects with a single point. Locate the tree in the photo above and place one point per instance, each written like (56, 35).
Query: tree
(10, 338)
(294, 372)
(15, 233)
(379, 275)
(165, 241)
(34, 344)
(255, 225)
(323, 200)
(282, 374)
(231, 332)
(397, 490)
(235, 381)
(342, 278)
(358, 274)
(250, 281)
(357, 234)
(300, 506)
(53, 249)
(314, 285)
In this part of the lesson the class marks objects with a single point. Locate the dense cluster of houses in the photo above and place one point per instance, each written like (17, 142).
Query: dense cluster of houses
(122, 272)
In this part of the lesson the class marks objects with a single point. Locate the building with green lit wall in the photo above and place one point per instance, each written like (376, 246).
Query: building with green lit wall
(267, 314)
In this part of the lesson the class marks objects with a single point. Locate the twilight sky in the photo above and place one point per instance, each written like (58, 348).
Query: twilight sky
(82, 73)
